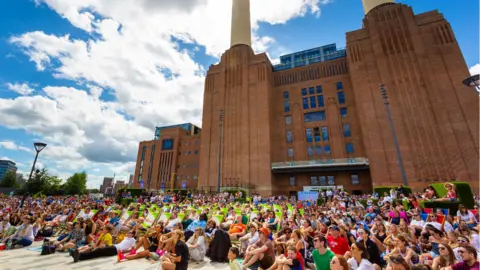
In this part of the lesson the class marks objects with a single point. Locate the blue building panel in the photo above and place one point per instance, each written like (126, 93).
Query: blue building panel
(311, 56)
(5, 166)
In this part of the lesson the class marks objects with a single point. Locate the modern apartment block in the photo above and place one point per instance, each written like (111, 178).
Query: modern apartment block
(5, 166)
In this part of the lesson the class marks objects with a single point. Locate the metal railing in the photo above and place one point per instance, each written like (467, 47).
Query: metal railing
(321, 163)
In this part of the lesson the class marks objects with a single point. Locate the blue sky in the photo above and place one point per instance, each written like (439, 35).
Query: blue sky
(92, 80)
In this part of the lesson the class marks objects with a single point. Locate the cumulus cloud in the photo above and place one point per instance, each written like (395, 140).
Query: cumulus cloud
(11, 145)
(20, 88)
(475, 69)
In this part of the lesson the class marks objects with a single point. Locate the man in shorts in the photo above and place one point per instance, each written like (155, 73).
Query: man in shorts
(262, 252)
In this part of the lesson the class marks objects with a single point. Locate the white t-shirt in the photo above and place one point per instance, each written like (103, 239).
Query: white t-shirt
(364, 264)
(434, 224)
(86, 216)
(469, 215)
(447, 227)
(126, 243)
(253, 239)
(172, 223)
(419, 223)
(387, 199)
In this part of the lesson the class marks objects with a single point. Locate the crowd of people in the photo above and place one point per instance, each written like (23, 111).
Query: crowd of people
(264, 233)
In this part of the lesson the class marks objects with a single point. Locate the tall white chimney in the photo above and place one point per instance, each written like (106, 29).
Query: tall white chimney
(241, 26)
(370, 4)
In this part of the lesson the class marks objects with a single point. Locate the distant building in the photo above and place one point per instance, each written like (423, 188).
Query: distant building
(5, 166)
(130, 180)
(107, 183)
(119, 185)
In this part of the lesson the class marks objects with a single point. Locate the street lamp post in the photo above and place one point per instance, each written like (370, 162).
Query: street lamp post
(38, 148)
(220, 149)
(473, 81)
(395, 140)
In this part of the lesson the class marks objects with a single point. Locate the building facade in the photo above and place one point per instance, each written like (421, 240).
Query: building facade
(318, 118)
(171, 160)
(107, 186)
(5, 166)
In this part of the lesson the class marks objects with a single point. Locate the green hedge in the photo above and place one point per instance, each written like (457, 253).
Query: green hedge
(126, 201)
(464, 196)
(240, 200)
(381, 190)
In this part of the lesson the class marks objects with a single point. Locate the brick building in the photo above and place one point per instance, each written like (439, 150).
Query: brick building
(318, 118)
(170, 160)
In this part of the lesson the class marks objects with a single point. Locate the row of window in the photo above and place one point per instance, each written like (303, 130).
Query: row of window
(315, 116)
(187, 177)
(325, 180)
(313, 97)
(187, 166)
(197, 142)
(317, 150)
(195, 152)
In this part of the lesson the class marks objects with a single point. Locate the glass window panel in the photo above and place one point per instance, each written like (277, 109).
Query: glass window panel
(326, 148)
(313, 102)
(289, 136)
(144, 148)
(343, 112)
(310, 151)
(313, 181)
(314, 116)
(286, 106)
(323, 181)
(309, 135)
(350, 148)
(311, 90)
(341, 98)
(290, 152)
(292, 181)
(288, 120)
(355, 179)
(325, 134)
(285, 95)
(346, 131)
(331, 180)
(339, 85)
(196, 152)
(319, 89)
(320, 101)
(318, 150)
(305, 103)
(304, 91)
(316, 134)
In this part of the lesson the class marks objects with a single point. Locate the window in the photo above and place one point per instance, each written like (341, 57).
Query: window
(144, 148)
(341, 98)
(319, 89)
(343, 112)
(354, 178)
(195, 152)
(339, 86)
(184, 153)
(321, 102)
(346, 131)
(197, 142)
(323, 181)
(288, 119)
(316, 134)
(195, 177)
(331, 180)
(292, 181)
(310, 151)
(189, 152)
(311, 90)
(289, 136)
(314, 116)
(349, 148)
(285, 95)
(286, 106)
(326, 148)
(313, 102)
(325, 134)
(195, 165)
(167, 144)
(309, 135)
(305, 103)
(318, 150)
(304, 91)
(290, 152)
(313, 181)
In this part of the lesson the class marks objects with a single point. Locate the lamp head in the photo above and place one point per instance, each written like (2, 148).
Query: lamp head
(39, 146)
(473, 81)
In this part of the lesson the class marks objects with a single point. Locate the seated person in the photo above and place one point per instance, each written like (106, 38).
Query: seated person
(117, 249)
(289, 262)
(250, 238)
(261, 252)
(237, 229)
(451, 194)
(104, 240)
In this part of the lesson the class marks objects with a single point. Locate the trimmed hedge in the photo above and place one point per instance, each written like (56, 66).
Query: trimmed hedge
(126, 201)
(381, 190)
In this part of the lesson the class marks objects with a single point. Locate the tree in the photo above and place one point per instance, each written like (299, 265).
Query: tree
(37, 183)
(9, 179)
(95, 190)
(52, 185)
(76, 184)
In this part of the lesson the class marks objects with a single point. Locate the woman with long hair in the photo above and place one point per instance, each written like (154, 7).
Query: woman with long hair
(401, 249)
(446, 258)
(339, 263)
(179, 259)
(474, 238)
(466, 215)
(360, 259)
(196, 245)
(372, 249)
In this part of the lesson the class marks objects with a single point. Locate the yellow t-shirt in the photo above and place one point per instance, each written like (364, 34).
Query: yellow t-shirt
(106, 238)
(120, 238)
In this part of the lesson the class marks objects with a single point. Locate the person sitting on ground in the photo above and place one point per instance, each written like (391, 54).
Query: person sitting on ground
(322, 255)
(179, 259)
(149, 242)
(261, 252)
(125, 246)
(237, 229)
(233, 259)
(250, 238)
(73, 240)
(218, 248)
(196, 245)
(24, 235)
(289, 262)
(105, 240)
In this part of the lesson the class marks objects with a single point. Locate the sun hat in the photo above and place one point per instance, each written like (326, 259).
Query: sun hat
(265, 231)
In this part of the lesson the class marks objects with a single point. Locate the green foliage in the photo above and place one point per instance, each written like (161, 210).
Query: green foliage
(240, 200)
(9, 179)
(76, 184)
(52, 185)
(234, 192)
(381, 190)
(37, 182)
(126, 201)
(464, 196)
(453, 206)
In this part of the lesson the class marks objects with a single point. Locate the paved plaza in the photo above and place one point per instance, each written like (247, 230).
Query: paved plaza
(24, 259)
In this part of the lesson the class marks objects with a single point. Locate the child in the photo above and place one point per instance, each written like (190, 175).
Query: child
(234, 262)
(290, 262)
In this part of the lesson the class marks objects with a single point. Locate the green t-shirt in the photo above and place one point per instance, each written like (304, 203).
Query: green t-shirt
(322, 262)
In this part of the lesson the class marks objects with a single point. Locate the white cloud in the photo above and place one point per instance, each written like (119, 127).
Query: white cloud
(475, 69)
(11, 145)
(136, 54)
(20, 88)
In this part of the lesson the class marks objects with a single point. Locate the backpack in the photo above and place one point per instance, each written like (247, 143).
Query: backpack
(47, 249)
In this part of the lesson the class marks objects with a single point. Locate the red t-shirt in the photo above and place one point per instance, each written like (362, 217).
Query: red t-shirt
(338, 245)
